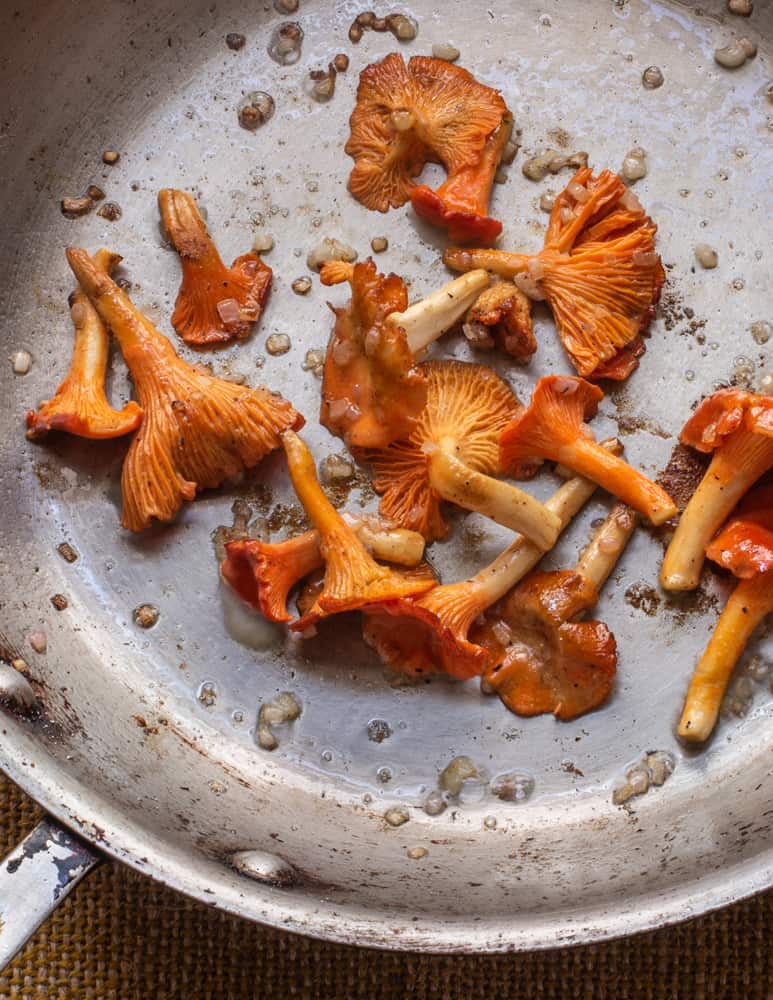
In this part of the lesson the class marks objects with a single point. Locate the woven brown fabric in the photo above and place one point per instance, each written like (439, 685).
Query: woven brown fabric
(121, 937)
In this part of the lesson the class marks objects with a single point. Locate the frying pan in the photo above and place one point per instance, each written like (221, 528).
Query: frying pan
(141, 743)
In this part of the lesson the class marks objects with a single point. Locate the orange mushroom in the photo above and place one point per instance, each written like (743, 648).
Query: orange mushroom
(428, 110)
(737, 426)
(501, 315)
(597, 269)
(745, 547)
(353, 579)
(541, 658)
(553, 427)
(429, 633)
(460, 204)
(215, 304)
(262, 574)
(197, 430)
(451, 455)
(79, 406)
(372, 390)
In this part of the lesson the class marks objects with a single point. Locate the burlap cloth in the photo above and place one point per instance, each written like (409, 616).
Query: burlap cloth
(121, 937)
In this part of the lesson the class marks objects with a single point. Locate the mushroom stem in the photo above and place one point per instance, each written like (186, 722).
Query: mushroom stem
(748, 604)
(600, 557)
(521, 556)
(132, 330)
(735, 467)
(425, 321)
(500, 262)
(394, 545)
(507, 505)
(303, 474)
(585, 456)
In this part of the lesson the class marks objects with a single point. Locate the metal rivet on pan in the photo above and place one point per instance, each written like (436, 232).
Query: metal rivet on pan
(264, 867)
(16, 692)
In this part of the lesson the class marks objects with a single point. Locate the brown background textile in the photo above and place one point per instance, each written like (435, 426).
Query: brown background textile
(119, 936)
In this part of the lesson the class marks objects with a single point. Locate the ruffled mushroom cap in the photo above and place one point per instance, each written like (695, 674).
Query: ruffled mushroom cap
(372, 390)
(427, 110)
(504, 313)
(262, 574)
(598, 270)
(424, 636)
(553, 427)
(215, 304)
(197, 430)
(79, 405)
(737, 426)
(451, 454)
(745, 544)
(353, 579)
(551, 663)
(745, 547)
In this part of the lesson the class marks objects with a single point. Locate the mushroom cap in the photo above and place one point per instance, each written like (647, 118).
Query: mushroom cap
(604, 296)
(745, 544)
(407, 115)
(412, 639)
(559, 406)
(468, 405)
(551, 663)
(725, 412)
(372, 389)
(262, 574)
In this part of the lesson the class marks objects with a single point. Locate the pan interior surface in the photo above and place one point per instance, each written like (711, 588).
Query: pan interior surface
(146, 739)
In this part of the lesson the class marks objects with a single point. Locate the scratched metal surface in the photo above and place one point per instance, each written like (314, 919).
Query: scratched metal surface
(179, 795)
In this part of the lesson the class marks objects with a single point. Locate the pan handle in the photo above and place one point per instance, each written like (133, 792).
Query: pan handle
(35, 878)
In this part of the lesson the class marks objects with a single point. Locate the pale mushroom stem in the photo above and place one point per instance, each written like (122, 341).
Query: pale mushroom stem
(507, 505)
(600, 557)
(521, 556)
(500, 262)
(727, 479)
(395, 545)
(746, 607)
(427, 320)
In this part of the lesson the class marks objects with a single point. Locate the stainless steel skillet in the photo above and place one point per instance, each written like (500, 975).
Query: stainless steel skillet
(142, 742)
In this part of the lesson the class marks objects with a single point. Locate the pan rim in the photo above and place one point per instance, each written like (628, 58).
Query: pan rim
(383, 931)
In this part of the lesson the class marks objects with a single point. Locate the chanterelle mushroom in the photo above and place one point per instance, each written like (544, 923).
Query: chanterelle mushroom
(554, 427)
(197, 430)
(597, 269)
(745, 547)
(737, 426)
(372, 390)
(541, 659)
(262, 574)
(215, 304)
(429, 633)
(428, 110)
(451, 455)
(79, 406)
(353, 579)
